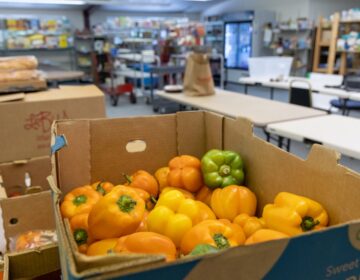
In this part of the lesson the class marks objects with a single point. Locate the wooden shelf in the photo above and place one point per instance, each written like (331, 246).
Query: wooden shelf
(325, 44)
(349, 21)
(321, 70)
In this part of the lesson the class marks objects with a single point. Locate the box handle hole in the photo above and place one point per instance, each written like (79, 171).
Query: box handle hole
(136, 146)
(13, 221)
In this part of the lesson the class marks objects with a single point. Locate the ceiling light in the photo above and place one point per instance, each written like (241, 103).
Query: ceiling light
(47, 2)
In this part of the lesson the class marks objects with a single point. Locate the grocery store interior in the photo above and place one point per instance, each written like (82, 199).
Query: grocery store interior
(188, 102)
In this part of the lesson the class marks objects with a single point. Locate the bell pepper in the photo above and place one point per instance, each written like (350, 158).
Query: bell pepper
(186, 193)
(79, 200)
(116, 214)
(161, 176)
(233, 200)
(147, 243)
(185, 173)
(204, 195)
(102, 187)
(294, 214)
(264, 235)
(174, 215)
(203, 249)
(143, 225)
(80, 229)
(221, 234)
(102, 247)
(143, 180)
(149, 200)
(222, 168)
(249, 224)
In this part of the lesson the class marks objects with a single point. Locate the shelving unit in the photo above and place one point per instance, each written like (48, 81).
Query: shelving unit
(292, 39)
(214, 35)
(325, 45)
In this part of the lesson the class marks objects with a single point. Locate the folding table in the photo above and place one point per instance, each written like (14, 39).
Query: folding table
(338, 132)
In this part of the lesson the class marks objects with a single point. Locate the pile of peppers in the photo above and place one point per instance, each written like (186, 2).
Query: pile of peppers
(189, 207)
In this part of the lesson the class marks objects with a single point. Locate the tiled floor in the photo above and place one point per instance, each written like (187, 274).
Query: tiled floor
(125, 109)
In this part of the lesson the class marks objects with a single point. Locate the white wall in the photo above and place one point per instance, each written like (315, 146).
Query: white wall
(327, 7)
(74, 15)
(101, 15)
(284, 9)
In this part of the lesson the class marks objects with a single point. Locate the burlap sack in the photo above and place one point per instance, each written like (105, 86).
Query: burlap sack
(198, 80)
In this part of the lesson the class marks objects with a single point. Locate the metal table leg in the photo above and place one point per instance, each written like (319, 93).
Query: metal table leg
(272, 93)
(246, 88)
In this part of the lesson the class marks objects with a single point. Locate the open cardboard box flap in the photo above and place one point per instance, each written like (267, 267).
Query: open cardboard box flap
(97, 150)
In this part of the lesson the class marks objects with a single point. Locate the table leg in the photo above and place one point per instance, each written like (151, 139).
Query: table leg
(343, 106)
(246, 88)
(280, 142)
(288, 144)
(151, 88)
(271, 93)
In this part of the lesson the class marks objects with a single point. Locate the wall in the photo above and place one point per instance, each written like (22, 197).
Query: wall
(327, 7)
(100, 15)
(284, 9)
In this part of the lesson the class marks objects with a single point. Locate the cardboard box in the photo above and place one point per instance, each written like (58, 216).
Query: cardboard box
(97, 149)
(21, 214)
(13, 174)
(25, 125)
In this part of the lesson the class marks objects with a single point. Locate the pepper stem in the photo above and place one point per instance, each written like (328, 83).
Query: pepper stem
(80, 199)
(224, 170)
(308, 223)
(80, 236)
(127, 178)
(126, 203)
(100, 189)
(221, 241)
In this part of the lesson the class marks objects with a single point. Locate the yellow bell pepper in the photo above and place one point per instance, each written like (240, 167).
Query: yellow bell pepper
(294, 214)
(174, 215)
(249, 224)
(186, 193)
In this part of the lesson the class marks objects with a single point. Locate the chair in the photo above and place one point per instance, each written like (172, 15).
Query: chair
(345, 105)
(300, 95)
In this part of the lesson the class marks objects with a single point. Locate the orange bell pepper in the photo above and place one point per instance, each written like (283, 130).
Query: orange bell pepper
(116, 214)
(249, 224)
(264, 235)
(149, 200)
(144, 180)
(143, 225)
(219, 233)
(147, 243)
(204, 195)
(186, 193)
(80, 229)
(185, 173)
(102, 247)
(102, 187)
(233, 200)
(161, 176)
(78, 201)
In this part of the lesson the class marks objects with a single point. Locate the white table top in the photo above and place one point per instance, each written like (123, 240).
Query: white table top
(338, 132)
(355, 96)
(259, 110)
(61, 76)
(316, 87)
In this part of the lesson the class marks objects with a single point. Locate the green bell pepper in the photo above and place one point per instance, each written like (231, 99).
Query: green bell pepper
(222, 168)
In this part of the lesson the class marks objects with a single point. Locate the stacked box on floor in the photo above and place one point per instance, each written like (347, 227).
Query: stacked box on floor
(96, 150)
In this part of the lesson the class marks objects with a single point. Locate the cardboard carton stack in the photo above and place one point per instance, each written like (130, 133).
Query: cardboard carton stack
(25, 137)
(19, 74)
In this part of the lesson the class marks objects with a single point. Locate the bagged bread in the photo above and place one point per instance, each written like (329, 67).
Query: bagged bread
(15, 63)
(198, 80)
(22, 75)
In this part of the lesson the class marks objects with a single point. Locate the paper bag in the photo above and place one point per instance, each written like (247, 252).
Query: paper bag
(198, 80)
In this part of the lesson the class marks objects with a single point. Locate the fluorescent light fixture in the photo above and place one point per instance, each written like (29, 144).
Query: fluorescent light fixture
(47, 2)
(198, 0)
